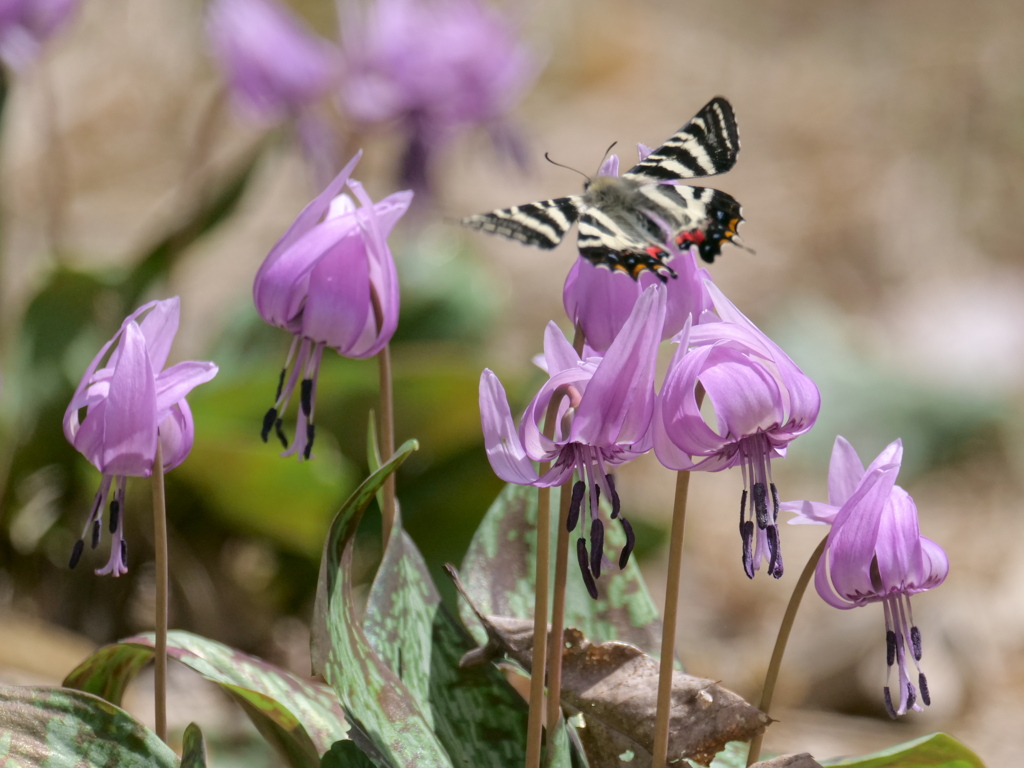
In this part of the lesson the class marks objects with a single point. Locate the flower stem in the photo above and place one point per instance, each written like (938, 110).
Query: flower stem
(558, 610)
(668, 631)
(772, 675)
(387, 438)
(535, 721)
(160, 554)
(387, 422)
(561, 571)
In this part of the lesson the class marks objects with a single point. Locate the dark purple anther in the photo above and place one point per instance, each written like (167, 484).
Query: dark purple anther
(630, 541)
(578, 489)
(596, 547)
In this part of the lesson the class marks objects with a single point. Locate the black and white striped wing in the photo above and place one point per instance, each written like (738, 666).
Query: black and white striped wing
(634, 241)
(705, 146)
(542, 224)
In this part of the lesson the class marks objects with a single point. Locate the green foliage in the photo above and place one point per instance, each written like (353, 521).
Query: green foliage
(500, 567)
(939, 750)
(300, 718)
(60, 728)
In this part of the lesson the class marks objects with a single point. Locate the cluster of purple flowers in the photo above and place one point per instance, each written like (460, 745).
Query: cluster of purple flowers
(605, 411)
(427, 68)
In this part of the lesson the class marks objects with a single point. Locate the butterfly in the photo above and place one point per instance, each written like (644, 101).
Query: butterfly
(625, 222)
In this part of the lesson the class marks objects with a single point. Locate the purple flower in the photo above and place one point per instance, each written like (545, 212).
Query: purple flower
(331, 282)
(434, 67)
(761, 402)
(274, 64)
(604, 408)
(876, 553)
(130, 404)
(26, 24)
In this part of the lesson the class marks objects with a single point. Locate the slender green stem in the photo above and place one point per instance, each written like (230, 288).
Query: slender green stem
(558, 610)
(535, 721)
(668, 631)
(558, 599)
(387, 438)
(387, 423)
(772, 675)
(160, 555)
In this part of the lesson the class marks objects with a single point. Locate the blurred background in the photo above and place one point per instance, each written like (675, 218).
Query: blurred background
(880, 146)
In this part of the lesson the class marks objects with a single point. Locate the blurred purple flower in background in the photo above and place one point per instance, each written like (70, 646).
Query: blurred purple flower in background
(761, 400)
(130, 403)
(876, 553)
(433, 67)
(604, 409)
(331, 282)
(26, 24)
(274, 64)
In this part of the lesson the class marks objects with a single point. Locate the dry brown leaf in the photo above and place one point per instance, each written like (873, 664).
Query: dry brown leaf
(616, 685)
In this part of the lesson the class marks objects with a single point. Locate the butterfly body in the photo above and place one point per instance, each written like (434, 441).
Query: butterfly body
(627, 222)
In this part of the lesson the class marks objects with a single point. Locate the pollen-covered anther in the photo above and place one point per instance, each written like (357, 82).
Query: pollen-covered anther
(774, 552)
(922, 683)
(578, 489)
(269, 420)
(775, 503)
(915, 642)
(596, 547)
(97, 530)
(115, 515)
(747, 534)
(890, 647)
(616, 504)
(310, 434)
(583, 559)
(743, 509)
(759, 497)
(630, 542)
(76, 554)
(889, 708)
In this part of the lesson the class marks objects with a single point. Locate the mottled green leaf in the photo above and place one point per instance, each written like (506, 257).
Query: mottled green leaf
(300, 718)
(193, 748)
(375, 699)
(60, 728)
(938, 750)
(479, 718)
(500, 565)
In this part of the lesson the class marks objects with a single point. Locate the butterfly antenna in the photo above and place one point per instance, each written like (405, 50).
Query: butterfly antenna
(567, 167)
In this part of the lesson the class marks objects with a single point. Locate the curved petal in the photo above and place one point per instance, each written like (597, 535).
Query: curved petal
(129, 429)
(504, 450)
(746, 398)
(810, 512)
(934, 566)
(684, 426)
(337, 310)
(559, 354)
(177, 381)
(177, 432)
(281, 287)
(309, 216)
(845, 471)
(619, 401)
(854, 533)
(898, 547)
(159, 327)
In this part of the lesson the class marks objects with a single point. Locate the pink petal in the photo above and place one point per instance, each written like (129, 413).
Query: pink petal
(504, 450)
(130, 426)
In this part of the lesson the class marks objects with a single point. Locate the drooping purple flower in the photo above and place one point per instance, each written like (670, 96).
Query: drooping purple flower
(603, 418)
(433, 67)
(875, 553)
(26, 24)
(274, 64)
(331, 282)
(761, 400)
(599, 299)
(131, 403)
